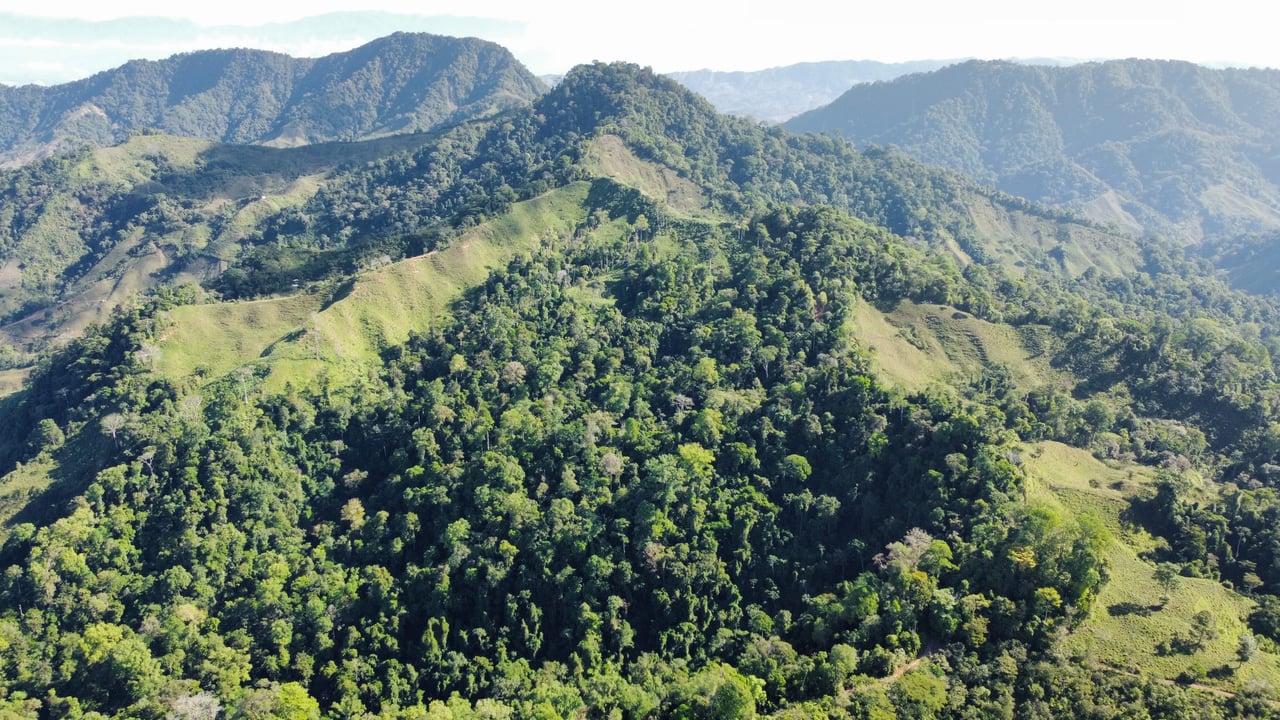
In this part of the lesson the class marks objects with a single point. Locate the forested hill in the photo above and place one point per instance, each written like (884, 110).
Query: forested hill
(397, 84)
(779, 93)
(724, 164)
(1167, 147)
(613, 406)
(82, 230)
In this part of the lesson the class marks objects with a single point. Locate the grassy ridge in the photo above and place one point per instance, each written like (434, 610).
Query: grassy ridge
(300, 336)
(12, 381)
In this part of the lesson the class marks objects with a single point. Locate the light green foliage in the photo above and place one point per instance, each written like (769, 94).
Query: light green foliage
(920, 694)
(521, 456)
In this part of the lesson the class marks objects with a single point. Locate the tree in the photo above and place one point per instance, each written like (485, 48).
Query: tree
(112, 424)
(289, 701)
(1166, 575)
(920, 694)
(1247, 648)
(1203, 629)
(200, 706)
(611, 464)
(47, 436)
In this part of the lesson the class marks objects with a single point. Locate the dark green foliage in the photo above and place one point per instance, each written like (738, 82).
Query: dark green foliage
(639, 474)
(600, 491)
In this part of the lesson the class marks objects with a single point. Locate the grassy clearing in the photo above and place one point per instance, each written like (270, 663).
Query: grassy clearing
(17, 489)
(901, 359)
(300, 337)
(1109, 208)
(610, 157)
(1129, 622)
(1018, 239)
(214, 339)
(132, 162)
(11, 381)
(915, 345)
(45, 487)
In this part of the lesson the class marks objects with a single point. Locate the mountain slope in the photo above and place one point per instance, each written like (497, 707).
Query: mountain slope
(739, 166)
(81, 232)
(1155, 146)
(591, 409)
(397, 84)
(279, 217)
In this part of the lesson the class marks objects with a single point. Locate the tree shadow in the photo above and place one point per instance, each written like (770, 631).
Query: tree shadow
(1222, 672)
(1131, 608)
(77, 464)
(1178, 645)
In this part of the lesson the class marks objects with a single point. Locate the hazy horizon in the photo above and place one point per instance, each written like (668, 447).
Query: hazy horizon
(57, 42)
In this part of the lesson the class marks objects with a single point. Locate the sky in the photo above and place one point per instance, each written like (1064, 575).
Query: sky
(57, 40)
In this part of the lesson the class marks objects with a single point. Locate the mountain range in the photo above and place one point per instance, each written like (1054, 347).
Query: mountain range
(1152, 146)
(81, 227)
(610, 404)
(777, 94)
(398, 84)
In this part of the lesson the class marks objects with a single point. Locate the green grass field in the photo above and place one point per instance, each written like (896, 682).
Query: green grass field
(20, 487)
(610, 157)
(11, 381)
(1129, 621)
(301, 336)
(1019, 239)
(915, 345)
(217, 338)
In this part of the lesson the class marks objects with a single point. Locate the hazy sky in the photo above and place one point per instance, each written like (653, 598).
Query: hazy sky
(666, 34)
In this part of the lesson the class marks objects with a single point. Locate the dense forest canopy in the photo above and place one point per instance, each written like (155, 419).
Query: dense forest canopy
(648, 457)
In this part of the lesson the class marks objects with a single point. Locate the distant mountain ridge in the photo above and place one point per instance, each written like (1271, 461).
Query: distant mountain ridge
(400, 83)
(80, 231)
(1160, 146)
(779, 93)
